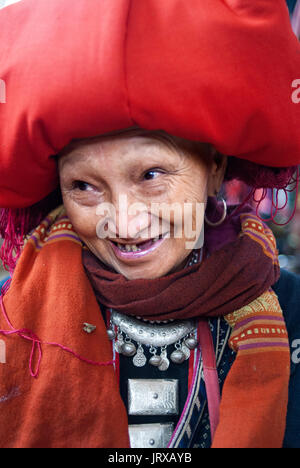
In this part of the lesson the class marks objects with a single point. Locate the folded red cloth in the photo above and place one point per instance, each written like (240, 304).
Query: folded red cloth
(218, 72)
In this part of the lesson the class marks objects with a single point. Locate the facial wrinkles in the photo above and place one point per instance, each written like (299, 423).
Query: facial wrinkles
(100, 164)
(174, 188)
(116, 168)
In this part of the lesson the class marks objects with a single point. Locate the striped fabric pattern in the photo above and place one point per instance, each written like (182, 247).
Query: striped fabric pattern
(54, 228)
(258, 326)
(261, 233)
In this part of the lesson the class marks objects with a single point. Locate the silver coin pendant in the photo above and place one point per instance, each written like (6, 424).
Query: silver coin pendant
(139, 359)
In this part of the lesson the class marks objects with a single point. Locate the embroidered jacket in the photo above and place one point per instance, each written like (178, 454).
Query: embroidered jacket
(194, 428)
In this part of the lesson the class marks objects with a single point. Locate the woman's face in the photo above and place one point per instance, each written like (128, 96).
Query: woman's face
(136, 201)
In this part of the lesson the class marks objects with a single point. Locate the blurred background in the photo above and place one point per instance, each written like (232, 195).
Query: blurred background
(285, 229)
(287, 235)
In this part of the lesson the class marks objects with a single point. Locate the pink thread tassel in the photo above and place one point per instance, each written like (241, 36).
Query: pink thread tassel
(13, 228)
(37, 345)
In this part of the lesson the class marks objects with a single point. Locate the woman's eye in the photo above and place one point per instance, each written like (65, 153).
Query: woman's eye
(152, 174)
(81, 185)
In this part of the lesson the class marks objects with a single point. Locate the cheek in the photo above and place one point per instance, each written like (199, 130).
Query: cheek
(192, 186)
(197, 189)
(83, 219)
(191, 198)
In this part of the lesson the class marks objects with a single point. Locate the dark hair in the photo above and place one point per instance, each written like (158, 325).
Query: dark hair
(257, 176)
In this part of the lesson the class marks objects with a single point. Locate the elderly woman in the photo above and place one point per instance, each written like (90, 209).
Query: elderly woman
(142, 310)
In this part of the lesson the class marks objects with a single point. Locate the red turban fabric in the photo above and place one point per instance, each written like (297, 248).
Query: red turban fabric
(218, 71)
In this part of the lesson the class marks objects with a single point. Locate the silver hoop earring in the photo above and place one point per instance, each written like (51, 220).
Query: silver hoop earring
(217, 223)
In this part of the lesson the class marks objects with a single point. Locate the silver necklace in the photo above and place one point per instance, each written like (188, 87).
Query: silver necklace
(154, 335)
(123, 330)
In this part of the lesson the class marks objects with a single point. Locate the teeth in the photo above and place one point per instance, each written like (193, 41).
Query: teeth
(129, 248)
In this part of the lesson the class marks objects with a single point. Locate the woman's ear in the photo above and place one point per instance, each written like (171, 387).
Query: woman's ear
(217, 173)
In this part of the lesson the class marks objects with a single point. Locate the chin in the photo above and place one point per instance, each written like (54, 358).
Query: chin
(152, 272)
(160, 265)
(133, 274)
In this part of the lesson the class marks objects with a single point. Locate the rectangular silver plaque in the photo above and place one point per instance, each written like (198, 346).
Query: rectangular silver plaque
(150, 435)
(153, 397)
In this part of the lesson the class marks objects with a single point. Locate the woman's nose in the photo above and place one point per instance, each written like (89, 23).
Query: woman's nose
(124, 218)
(133, 222)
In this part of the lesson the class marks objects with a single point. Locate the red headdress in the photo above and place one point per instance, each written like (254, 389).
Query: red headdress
(220, 72)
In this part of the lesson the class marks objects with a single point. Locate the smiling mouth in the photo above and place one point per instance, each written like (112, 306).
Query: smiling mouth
(140, 249)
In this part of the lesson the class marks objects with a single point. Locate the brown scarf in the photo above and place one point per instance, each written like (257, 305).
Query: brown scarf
(69, 397)
(227, 280)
